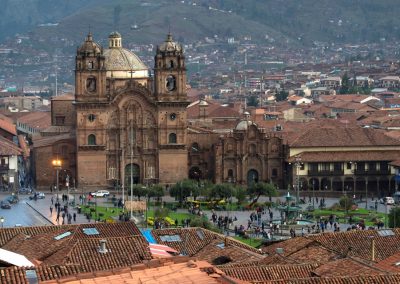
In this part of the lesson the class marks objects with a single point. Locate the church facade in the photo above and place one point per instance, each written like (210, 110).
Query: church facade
(128, 127)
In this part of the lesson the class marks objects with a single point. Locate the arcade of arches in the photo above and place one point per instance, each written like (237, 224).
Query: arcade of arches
(379, 186)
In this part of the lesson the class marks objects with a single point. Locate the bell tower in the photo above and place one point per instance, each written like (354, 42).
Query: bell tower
(91, 112)
(171, 96)
(170, 72)
(90, 73)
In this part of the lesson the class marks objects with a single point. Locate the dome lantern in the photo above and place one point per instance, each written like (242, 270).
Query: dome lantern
(115, 40)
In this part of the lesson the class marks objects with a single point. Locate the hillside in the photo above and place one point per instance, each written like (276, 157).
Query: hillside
(321, 20)
(150, 21)
(284, 21)
(21, 16)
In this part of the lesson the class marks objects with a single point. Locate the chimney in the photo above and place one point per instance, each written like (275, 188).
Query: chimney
(102, 248)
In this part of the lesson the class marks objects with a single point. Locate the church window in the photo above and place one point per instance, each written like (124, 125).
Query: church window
(60, 120)
(64, 151)
(91, 139)
(90, 64)
(172, 138)
(91, 117)
(252, 149)
(170, 83)
(195, 147)
(274, 172)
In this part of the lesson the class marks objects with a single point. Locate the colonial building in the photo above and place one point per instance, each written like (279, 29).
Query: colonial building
(123, 126)
(343, 159)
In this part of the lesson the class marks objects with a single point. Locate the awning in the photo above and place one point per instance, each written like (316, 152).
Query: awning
(161, 251)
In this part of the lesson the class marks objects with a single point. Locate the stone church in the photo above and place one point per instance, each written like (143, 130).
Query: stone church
(124, 126)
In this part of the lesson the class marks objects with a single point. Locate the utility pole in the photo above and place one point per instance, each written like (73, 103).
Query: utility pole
(132, 171)
(298, 166)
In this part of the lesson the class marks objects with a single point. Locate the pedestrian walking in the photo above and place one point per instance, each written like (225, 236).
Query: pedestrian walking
(74, 216)
(52, 200)
(51, 210)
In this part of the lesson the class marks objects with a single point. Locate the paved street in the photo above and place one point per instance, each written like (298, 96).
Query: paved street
(32, 213)
(21, 214)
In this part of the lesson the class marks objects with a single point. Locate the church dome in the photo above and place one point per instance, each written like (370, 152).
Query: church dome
(89, 46)
(244, 125)
(122, 62)
(120, 59)
(169, 45)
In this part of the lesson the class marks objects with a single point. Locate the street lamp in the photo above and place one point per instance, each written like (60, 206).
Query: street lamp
(57, 166)
(298, 166)
(313, 192)
(366, 193)
(2, 221)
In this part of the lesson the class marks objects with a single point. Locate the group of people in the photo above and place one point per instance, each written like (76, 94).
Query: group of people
(62, 211)
(222, 222)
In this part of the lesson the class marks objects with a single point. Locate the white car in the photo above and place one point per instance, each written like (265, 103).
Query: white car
(100, 193)
(387, 200)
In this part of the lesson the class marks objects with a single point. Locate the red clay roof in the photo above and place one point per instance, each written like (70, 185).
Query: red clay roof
(273, 272)
(8, 126)
(343, 156)
(343, 137)
(8, 148)
(38, 120)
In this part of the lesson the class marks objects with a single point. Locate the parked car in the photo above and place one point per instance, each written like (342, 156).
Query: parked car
(387, 200)
(13, 199)
(100, 193)
(25, 190)
(5, 204)
(37, 195)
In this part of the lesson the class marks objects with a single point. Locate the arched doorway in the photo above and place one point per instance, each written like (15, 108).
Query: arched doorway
(337, 184)
(195, 173)
(313, 184)
(132, 171)
(252, 177)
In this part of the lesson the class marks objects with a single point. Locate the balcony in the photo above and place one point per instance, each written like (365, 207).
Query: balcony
(325, 173)
(4, 168)
(372, 172)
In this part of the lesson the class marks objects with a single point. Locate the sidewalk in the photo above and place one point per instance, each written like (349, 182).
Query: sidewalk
(42, 207)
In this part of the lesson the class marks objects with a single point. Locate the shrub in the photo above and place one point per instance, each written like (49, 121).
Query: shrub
(346, 203)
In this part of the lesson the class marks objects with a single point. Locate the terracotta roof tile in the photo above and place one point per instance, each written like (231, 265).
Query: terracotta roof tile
(188, 272)
(8, 148)
(37, 120)
(390, 263)
(192, 242)
(122, 252)
(265, 273)
(343, 137)
(237, 254)
(369, 279)
(8, 126)
(289, 246)
(345, 267)
(343, 156)
(359, 243)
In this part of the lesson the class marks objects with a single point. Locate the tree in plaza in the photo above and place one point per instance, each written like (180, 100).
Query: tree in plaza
(138, 190)
(261, 188)
(394, 217)
(346, 202)
(182, 189)
(344, 89)
(221, 191)
(156, 191)
(240, 194)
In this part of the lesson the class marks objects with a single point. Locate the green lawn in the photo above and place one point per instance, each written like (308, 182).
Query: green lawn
(251, 242)
(105, 213)
(173, 215)
(369, 216)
